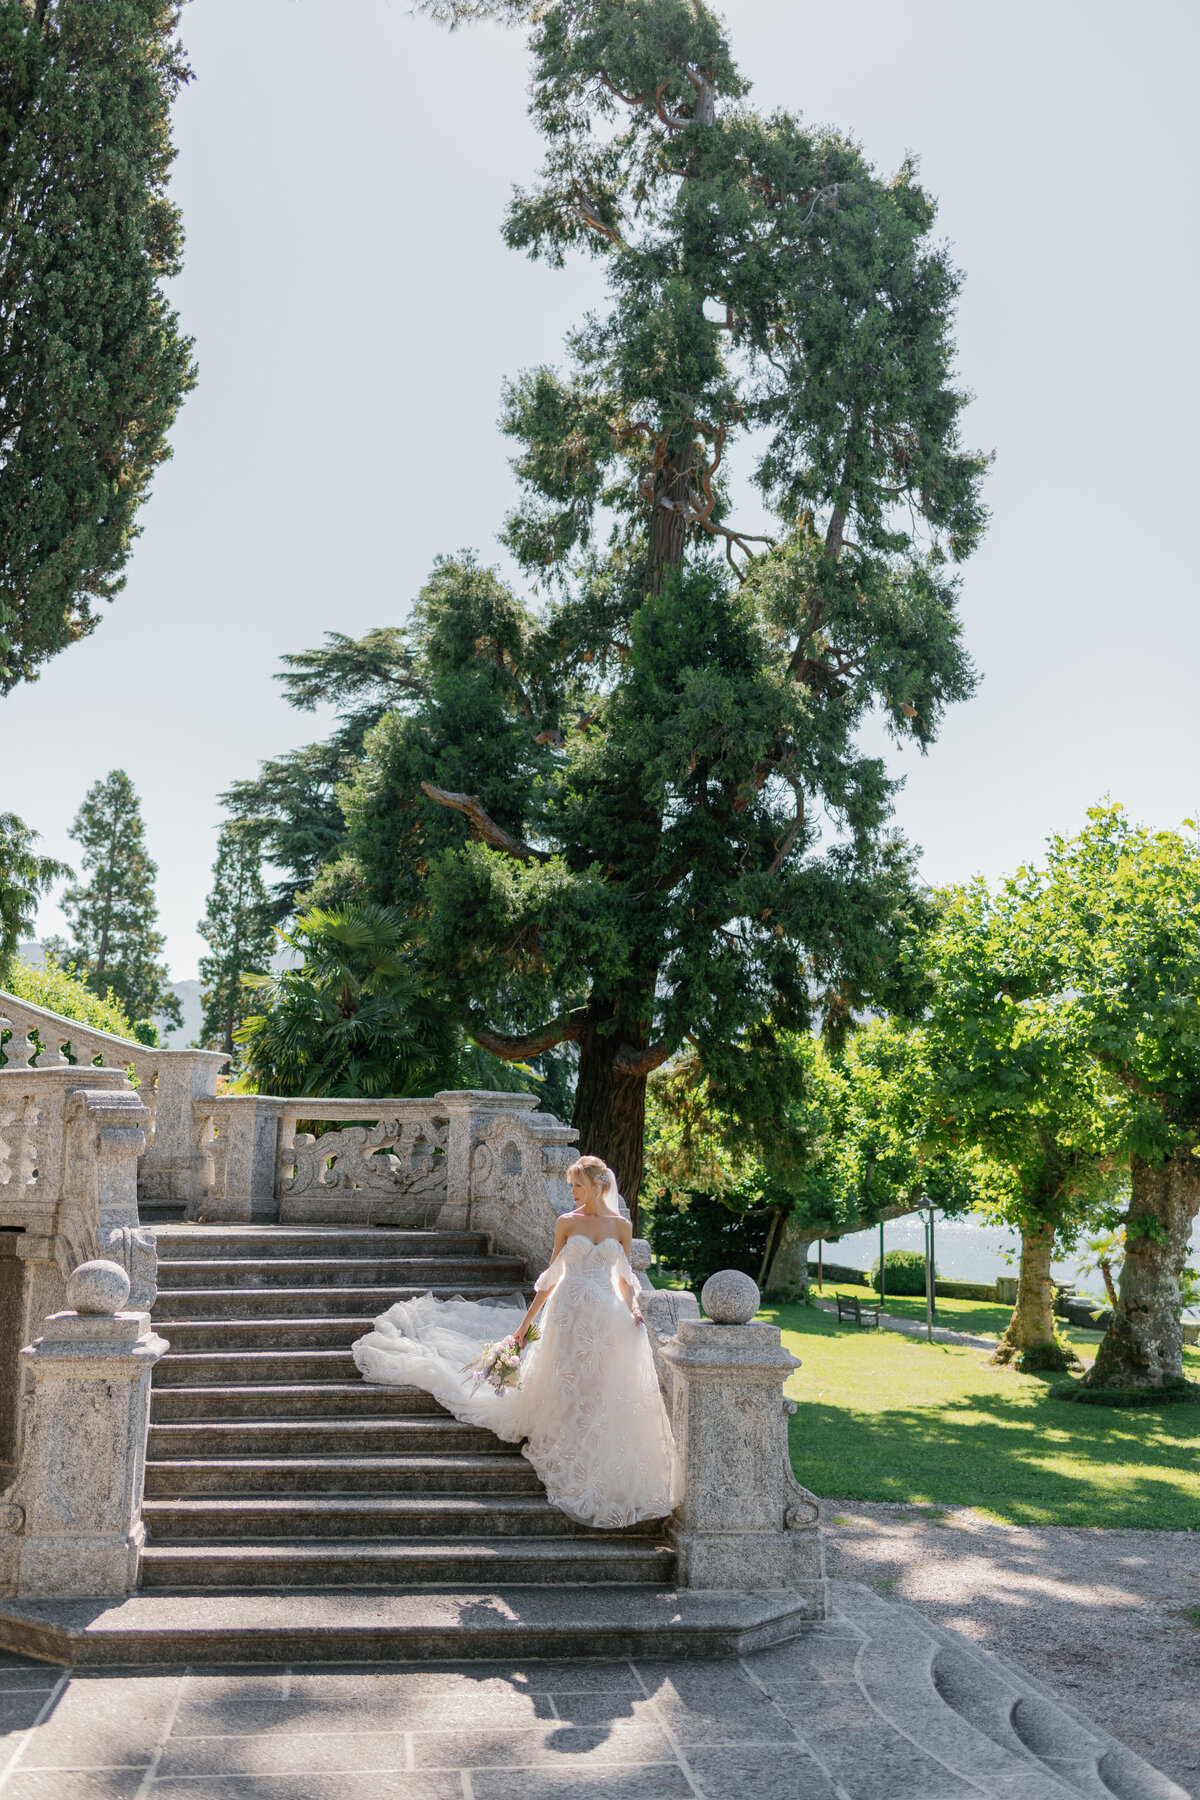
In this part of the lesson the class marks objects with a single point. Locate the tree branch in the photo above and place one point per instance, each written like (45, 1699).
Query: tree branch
(783, 845)
(534, 1043)
(631, 1061)
(481, 826)
(592, 219)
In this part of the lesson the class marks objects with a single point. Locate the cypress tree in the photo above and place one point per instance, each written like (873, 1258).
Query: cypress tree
(92, 364)
(237, 929)
(23, 876)
(113, 916)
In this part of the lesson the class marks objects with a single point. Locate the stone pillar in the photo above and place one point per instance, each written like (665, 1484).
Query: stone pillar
(69, 1143)
(744, 1521)
(471, 1111)
(247, 1190)
(74, 1515)
(178, 1164)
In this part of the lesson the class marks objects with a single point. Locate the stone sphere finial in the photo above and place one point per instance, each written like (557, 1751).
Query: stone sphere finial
(97, 1289)
(730, 1298)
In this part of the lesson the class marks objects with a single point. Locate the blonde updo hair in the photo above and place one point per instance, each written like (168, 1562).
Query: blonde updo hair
(597, 1172)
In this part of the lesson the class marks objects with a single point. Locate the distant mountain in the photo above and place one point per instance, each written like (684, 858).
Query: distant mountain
(189, 1000)
(193, 1013)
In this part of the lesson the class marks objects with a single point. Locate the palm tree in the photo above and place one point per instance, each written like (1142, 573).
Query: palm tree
(354, 1018)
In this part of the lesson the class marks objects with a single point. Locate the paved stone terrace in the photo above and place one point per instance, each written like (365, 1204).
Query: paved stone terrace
(785, 1724)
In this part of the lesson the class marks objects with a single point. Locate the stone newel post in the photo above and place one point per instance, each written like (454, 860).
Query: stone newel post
(77, 1504)
(744, 1521)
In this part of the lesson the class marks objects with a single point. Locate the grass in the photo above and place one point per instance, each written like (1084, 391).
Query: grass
(887, 1417)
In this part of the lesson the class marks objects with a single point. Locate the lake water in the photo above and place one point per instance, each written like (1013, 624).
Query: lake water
(963, 1250)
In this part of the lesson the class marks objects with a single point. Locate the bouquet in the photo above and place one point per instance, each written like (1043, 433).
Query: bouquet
(500, 1364)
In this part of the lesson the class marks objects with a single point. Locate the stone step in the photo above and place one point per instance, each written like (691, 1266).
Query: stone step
(175, 1305)
(339, 1209)
(157, 1213)
(245, 1336)
(424, 1435)
(417, 1563)
(273, 1242)
(341, 1517)
(338, 1272)
(279, 1400)
(290, 1367)
(493, 1623)
(482, 1472)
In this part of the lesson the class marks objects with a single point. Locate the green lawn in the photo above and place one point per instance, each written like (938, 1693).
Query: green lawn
(886, 1417)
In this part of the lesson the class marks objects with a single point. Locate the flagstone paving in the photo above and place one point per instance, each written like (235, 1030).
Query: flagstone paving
(806, 1721)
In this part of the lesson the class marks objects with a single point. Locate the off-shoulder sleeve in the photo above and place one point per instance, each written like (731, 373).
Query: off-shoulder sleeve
(623, 1269)
(550, 1277)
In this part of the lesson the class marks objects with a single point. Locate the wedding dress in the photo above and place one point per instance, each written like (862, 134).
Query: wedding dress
(589, 1406)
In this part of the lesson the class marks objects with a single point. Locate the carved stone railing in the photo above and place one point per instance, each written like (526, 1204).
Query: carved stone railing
(70, 1139)
(386, 1164)
(459, 1160)
(169, 1082)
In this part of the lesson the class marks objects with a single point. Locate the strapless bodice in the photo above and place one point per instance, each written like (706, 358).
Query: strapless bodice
(593, 1263)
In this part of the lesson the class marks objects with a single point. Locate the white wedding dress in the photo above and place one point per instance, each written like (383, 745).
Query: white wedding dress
(589, 1406)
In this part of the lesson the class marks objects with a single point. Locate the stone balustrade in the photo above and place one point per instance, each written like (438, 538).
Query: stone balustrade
(71, 1523)
(460, 1160)
(743, 1521)
(70, 1140)
(174, 1165)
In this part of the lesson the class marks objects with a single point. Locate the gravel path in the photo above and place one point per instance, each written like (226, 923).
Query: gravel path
(914, 1328)
(1099, 1616)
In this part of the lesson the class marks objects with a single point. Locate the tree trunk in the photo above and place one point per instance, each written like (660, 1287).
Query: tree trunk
(669, 518)
(775, 1235)
(610, 1109)
(1143, 1347)
(788, 1270)
(1032, 1324)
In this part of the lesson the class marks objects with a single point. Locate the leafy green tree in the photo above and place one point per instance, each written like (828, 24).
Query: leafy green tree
(58, 990)
(291, 806)
(1123, 908)
(1009, 1075)
(353, 1018)
(92, 365)
(24, 875)
(845, 1145)
(115, 945)
(237, 929)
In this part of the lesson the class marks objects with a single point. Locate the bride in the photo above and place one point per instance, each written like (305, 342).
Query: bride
(588, 1407)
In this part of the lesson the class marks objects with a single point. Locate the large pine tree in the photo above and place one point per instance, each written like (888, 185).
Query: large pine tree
(92, 364)
(113, 914)
(639, 816)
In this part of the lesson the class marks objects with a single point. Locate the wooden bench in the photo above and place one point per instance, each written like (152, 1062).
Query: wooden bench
(851, 1307)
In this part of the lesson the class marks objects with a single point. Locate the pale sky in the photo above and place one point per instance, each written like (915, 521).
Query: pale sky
(343, 172)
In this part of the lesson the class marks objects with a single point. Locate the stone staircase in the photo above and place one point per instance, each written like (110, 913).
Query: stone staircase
(297, 1514)
(272, 1464)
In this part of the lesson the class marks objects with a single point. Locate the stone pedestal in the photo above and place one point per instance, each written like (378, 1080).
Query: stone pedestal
(744, 1522)
(506, 1171)
(74, 1516)
(178, 1166)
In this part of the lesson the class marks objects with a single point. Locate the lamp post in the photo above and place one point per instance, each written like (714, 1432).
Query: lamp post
(926, 1211)
(882, 1289)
